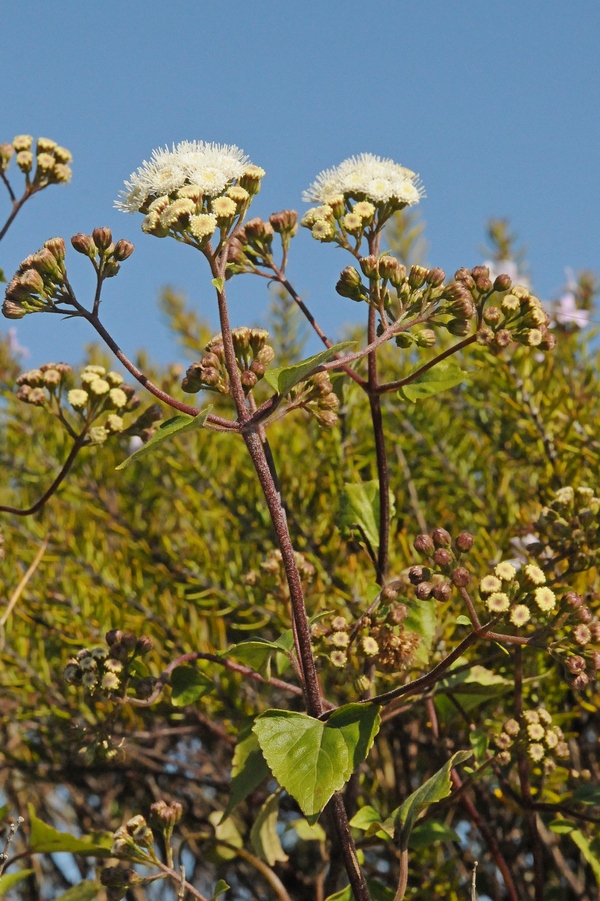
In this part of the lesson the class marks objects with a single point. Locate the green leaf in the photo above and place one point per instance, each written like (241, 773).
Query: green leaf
(463, 620)
(371, 823)
(44, 839)
(377, 890)
(188, 685)
(586, 852)
(248, 770)
(218, 283)
(344, 894)
(441, 377)
(429, 832)
(258, 652)
(220, 887)
(434, 789)
(83, 891)
(562, 827)
(177, 425)
(479, 741)
(312, 759)
(4, 811)
(422, 619)
(225, 831)
(9, 880)
(359, 506)
(2, 276)
(587, 794)
(284, 378)
(470, 688)
(306, 832)
(263, 834)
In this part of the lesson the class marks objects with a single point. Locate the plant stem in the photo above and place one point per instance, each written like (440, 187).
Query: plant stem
(380, 453)
(29, 511)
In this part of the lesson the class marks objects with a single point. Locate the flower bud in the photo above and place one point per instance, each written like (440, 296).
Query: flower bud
(102, 238)
(480, 271)
(391, 591)
(585, 615)
(436, 277)
(458, 327)
(575, 664)
(6, 153)
(464, 542)
(418, 574)
(485, 335)
(460, 577)
(57, 248)
(424, 545)
(425, 337)
(25, 161)
(441, 538)
(370, 266)
(503, 338)
(580, 682)
(128, 640)
(423, 591)
(391, 269)
(143, 645)
(84, 244)
(417, 276)
(284, 222)
(248, 380)
(442, 556)
(442, 591)
(483, 284)
(573, 599)
(123, 250)
(502, 283)
(492, 315)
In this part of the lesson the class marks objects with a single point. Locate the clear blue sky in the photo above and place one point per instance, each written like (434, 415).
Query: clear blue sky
(494, 102)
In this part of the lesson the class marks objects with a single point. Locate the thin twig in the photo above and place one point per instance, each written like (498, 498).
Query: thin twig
(20, 587)
(29, 511)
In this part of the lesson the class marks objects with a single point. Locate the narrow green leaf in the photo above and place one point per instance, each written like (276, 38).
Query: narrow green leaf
(283, 379)
(9, 880)
(312, 759)
(359, 506)
(434, 789)
(562, 827)
(584, 846)
(220, 887)
(429, 832)
(83, 891)
(263, 834)
(218, 283)
(177, 425)
(44, 839)
(248, 770)
(441, 377)
(188, 685)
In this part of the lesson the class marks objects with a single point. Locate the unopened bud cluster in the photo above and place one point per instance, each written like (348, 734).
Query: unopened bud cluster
(251, 245)
(252, 354)
(116, 881)
(107, 669)
(580, 642)
(534, 734)
(317, 396)
(42, 162)
(105, 254)
(570, 527)
(382, 639)
(165, 816)
(39, 283)
(436, 580)
(515, 316)
(132, 839)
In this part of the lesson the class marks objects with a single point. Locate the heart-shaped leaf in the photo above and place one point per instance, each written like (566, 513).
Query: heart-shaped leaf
(175, 426)
(312, 759)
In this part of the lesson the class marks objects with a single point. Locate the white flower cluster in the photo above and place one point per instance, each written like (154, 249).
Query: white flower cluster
(100, 387)
(211, 167)
(367, 177)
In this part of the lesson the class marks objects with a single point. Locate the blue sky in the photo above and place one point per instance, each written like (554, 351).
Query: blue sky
(495, 104)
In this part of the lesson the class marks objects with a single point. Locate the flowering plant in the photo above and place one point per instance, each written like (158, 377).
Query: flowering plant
(371, 634)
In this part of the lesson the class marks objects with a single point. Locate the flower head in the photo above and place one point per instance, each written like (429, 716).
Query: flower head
(545, 599)
(78, 398)
(489, 584)
(498, 602)
(535, 574)
(519, 615)
(210, 167)
(536, 752)
(505, 571)
(367, 177)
